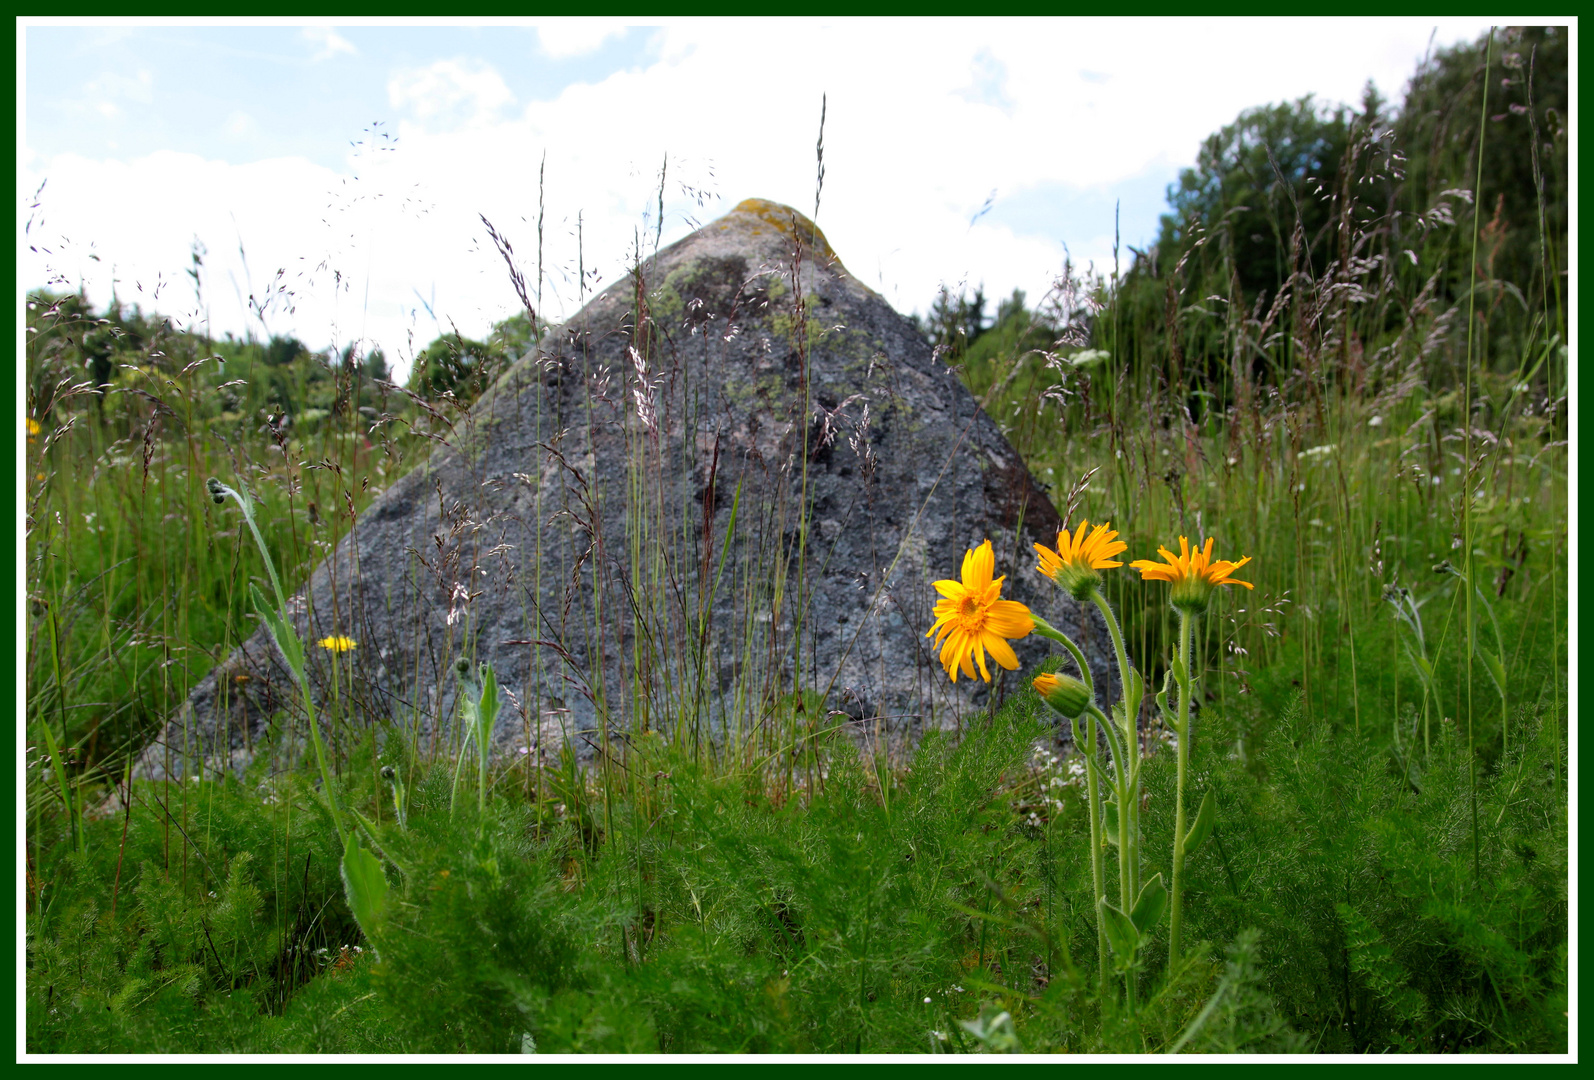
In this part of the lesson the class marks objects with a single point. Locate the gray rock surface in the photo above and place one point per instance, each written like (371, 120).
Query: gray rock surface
(733, 473)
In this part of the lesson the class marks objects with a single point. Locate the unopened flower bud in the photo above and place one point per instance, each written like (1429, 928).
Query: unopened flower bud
(218, 493)
(1064, 693)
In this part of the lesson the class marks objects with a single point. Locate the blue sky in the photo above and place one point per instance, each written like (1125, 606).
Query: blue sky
(239, 94)
(338, 172)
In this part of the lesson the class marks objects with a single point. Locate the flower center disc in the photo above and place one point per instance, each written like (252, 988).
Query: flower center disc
(969, 613)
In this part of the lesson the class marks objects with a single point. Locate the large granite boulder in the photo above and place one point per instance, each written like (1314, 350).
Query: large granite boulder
(733, 475)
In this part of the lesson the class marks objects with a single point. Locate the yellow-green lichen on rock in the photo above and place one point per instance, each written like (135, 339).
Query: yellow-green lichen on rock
(785, 221)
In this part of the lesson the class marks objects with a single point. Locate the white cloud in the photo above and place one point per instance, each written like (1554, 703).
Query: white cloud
(562, 39)
(329, 43)
(461, 91)
(1071, 105)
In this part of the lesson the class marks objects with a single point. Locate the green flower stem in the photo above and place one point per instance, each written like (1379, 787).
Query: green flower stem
(1131, 708)
(1047, 630)
(337, 707)
(299, 674)
(1122, 789)
(1129, 809)
(1125, 788)
(1097, 870)
(1126, 767)
(320, 753)
(1176, 908)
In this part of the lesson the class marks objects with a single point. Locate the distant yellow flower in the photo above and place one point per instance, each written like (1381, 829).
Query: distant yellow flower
(1077, 558)
(1193, 574)
(972, 618)
(337, 643)
(34, 428)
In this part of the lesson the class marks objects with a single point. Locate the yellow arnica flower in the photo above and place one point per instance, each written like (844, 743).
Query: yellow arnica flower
(33, 427)
(971, 617)
(337, 643)
(1193, 574)
(1064, 693)
(1077, 558)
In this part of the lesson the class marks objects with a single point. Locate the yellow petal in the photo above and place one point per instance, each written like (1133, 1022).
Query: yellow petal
(978, 566)
(1001, 651)
(1009, 618)
(956, 646)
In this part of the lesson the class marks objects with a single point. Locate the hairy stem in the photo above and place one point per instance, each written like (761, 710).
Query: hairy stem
(1176, 902)
(1097, 869)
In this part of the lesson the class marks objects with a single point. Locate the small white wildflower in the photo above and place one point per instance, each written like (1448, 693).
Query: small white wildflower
(1377, 421)
(927, 1001)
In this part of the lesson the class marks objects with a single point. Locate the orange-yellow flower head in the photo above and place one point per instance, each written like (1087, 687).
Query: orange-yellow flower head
(1075, 563)
(971, 617)
(336, 643)
(33, 426)
(1193, 574)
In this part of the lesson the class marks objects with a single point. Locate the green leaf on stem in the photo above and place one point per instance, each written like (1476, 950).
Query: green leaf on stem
(1150, 905)
(365, 886)
(1121, 932)
(1205, 819)
(1496, 669)
(1136, 690)
(486, 710)
(282, 635)
(1162, 701)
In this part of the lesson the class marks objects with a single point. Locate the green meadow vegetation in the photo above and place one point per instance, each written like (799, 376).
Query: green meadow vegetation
(1340, 828)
